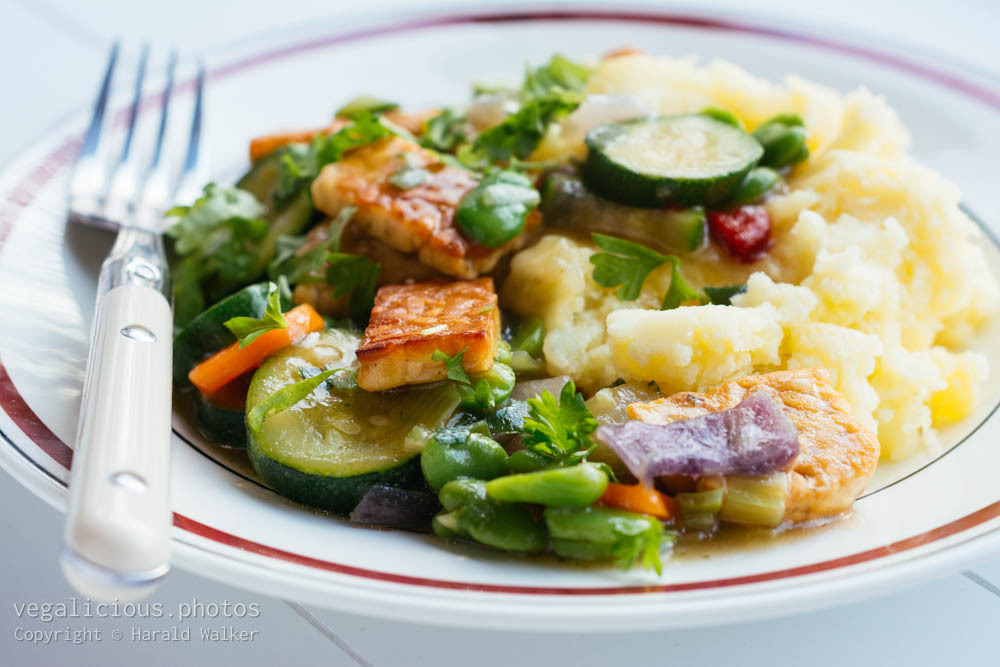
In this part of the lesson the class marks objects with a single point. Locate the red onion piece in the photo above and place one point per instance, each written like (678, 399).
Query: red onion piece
(753, 438)
(393, 507)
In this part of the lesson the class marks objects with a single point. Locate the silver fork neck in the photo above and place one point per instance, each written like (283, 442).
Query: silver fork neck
(137, 258)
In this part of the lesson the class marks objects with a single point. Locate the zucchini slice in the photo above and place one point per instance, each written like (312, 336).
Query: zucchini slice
(686, 159)
(207, 333)
(225, 426)
(566, 203)
(328, 449)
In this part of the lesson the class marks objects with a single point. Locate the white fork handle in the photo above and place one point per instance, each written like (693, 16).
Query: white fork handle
(117, 537)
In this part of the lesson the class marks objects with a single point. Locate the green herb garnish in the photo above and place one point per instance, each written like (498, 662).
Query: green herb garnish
(303, 268)
(723, 296)
(285, 398)
(354, 275)
(365, 104)
(249, 329)
(560, 74)
(559, 431)
(626, 265)
(680, 291)
(215, 239)
(623, 263)
(301, 164)
(455, 365)
(445, 131)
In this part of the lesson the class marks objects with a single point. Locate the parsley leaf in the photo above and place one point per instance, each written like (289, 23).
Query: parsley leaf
(521, 132)
(559, 431)
(560, 74)
(300, 164)
(455, 365)
(365, 104)
(248, 329)
(305, 267)
(354, 275)
(215, 240)
(723, 296)
(445, 131)
(643, 547)
(680, 291)
(286, 397)
(624, 263)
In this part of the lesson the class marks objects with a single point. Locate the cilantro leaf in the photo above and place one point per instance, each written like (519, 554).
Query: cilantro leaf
(354, 275)
(215, 241)
(365, 104)
(680, 291)
(455, 365)
(520, 133)
(249, 329)
(559, 431)
(300, 164)
(305, 267)
(445, 131)
(624, 263)
(286, 397)
(560, 74)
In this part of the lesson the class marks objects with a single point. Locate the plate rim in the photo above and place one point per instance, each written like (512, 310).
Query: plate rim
(31, 426)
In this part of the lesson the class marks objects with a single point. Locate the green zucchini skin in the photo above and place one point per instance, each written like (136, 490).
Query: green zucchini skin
(228, 427)
(635, 185)
(567, 203)
(334, 494)
(207, 332)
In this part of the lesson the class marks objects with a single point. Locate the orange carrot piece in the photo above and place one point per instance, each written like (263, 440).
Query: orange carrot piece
(262, 146)
(230, 363)
(641, 499)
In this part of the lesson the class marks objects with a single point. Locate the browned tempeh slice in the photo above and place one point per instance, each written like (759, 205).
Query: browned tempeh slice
(420, 219)
(410, 322)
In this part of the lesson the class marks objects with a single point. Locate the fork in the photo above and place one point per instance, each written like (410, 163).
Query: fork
(116, 541)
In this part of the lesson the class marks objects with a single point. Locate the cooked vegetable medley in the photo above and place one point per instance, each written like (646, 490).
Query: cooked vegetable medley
(622, 305)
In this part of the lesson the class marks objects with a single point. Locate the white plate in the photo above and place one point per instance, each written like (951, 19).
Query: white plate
(923, 518)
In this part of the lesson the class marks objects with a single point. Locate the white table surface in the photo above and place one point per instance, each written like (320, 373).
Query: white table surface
(50, 56)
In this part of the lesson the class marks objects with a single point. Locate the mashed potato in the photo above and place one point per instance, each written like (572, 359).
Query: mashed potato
(875, 274)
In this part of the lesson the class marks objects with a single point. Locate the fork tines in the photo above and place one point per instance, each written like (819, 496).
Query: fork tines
(132, 189)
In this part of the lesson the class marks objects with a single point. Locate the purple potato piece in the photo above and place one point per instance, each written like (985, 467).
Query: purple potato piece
(754, 437)
(392, 507)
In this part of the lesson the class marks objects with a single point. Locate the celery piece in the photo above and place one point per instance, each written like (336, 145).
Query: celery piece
(755, 501)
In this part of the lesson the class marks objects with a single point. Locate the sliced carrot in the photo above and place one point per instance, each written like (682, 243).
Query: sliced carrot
(639, 498)
(230, 363)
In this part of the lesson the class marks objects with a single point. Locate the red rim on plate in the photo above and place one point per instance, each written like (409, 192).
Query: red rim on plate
(21, 196)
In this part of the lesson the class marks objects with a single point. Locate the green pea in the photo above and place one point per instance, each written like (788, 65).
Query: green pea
(525, 460)
(576, 486)
(788, 118)
(494, 211)
(488, 389)
(596, 524)
(753, 187)
(722, 115)
(470, 513)
(529, 336)
(459, 492)
(783, 144)
(455, 453)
